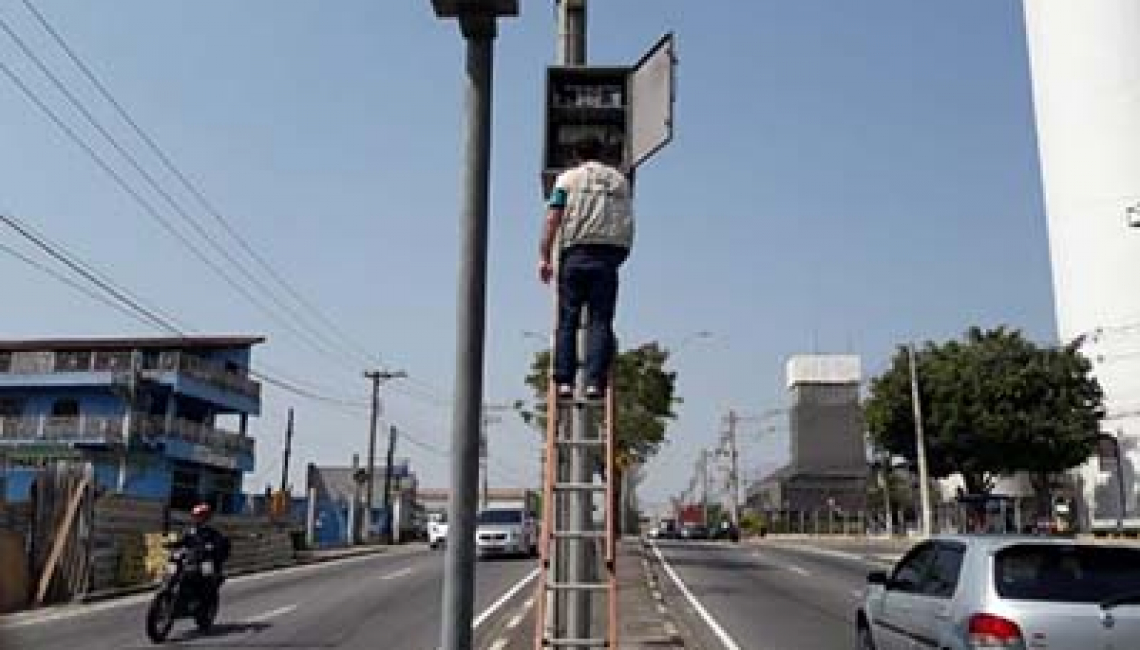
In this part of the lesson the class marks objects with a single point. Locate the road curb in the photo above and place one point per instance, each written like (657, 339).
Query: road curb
(672, 638)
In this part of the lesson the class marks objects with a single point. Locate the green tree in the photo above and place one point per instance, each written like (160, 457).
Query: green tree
(645, 395)
(993, 403)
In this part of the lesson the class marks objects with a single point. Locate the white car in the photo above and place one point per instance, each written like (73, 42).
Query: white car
(996, 591)
(506, 531)
(437, 530)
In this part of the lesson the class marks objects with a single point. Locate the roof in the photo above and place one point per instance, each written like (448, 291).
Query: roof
(135, 342)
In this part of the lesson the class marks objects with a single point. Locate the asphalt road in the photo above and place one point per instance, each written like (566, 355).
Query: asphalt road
(389, 601)
(764, 597)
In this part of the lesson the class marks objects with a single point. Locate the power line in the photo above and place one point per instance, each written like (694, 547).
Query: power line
(130, 305)
(190, 186)
(147, 206)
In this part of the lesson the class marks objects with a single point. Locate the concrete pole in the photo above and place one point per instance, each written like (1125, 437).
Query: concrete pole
(920, 446)
(459, 569)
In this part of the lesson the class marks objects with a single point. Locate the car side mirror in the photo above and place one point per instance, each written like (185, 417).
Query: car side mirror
(877, 578)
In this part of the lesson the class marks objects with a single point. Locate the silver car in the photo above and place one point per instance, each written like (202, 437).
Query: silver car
(1018, 593)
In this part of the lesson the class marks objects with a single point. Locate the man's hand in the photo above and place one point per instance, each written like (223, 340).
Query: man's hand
(545, 271)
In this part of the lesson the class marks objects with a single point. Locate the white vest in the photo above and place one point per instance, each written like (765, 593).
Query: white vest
(599, 208)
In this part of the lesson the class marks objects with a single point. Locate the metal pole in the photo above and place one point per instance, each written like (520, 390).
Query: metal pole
(571, 50)
(353, 515)
(705, 486)
(459, 568)
(886, 474)
(920, 444)
(389, 533)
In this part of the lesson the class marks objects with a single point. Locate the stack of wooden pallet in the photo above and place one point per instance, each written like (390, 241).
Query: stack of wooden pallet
(119, 552)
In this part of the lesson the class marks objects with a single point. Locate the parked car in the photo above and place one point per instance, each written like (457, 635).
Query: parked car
(506, 531)
(726, 531)
(1016, 592)
(694, 531)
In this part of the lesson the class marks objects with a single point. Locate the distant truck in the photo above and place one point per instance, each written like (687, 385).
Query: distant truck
(437, 529)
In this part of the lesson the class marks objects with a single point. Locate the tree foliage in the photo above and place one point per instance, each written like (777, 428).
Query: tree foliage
(645, 399)
(993, 403)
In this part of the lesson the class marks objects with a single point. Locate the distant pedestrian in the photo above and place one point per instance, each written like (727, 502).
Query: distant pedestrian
(588, 235)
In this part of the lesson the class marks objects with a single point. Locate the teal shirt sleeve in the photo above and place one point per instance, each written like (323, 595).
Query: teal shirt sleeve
(557, 198)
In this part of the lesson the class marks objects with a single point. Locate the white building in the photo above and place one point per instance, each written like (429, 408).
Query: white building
(1085, 60)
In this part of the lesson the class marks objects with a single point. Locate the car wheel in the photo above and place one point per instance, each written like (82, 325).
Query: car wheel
(866, 640)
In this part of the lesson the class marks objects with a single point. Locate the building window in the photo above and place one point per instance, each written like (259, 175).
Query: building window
(184, 489)
(113, 360)
(65, 408)
(11, 407)
(5, 362)
(72, 361)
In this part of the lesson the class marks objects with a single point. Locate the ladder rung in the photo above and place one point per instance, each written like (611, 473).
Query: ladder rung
(596, 487)
(577, 586)
(579, 534)
(587, 643)
(586, 403)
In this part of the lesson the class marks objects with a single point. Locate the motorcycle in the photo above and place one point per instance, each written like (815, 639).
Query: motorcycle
(189, 589)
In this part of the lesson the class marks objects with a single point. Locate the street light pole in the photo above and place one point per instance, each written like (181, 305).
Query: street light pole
(478, 24)
(920, 445)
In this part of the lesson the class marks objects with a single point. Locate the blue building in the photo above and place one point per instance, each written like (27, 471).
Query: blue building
(162, 418)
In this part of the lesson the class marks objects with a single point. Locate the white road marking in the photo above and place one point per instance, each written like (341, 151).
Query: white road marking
(514, 622)
(799, 569)
(723, 636)
(397, 574)
(858, 593)
(481, 618)
(273, 613)
(499, 644)
(529, 603)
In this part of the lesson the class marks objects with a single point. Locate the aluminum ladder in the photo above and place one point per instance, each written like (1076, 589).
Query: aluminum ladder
(577, 554)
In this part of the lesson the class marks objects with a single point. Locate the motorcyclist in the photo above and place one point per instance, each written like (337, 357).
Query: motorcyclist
(201, 535)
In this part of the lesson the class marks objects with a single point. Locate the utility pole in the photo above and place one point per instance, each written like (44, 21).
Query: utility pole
(705, 485)
(734, 470)
(389, 534)
(920, 445)
(288, 451)
(376, 376)
(478, 22)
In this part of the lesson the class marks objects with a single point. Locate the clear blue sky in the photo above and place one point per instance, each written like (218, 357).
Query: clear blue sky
(844, 176)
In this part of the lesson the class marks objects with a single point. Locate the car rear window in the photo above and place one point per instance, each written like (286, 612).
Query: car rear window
(500, 517)
(1066, 573)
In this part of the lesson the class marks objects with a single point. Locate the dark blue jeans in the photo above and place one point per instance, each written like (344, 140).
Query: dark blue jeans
(587, 277)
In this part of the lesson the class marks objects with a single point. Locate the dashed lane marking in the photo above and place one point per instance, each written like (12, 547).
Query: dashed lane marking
(514, 622)
(273, 613)
(397, 574)
(799, 569)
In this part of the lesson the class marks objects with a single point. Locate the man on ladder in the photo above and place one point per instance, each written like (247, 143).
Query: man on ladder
(589, 222)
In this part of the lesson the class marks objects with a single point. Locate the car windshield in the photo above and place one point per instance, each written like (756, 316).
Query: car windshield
(500, 517)
(1064, 573)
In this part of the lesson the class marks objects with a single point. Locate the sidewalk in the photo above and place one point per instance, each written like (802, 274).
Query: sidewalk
(644, 621)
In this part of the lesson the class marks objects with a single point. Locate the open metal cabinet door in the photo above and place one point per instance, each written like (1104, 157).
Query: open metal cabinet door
(651, 101)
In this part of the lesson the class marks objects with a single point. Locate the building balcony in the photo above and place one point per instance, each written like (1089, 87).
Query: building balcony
(109, 430)
(114, 366)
